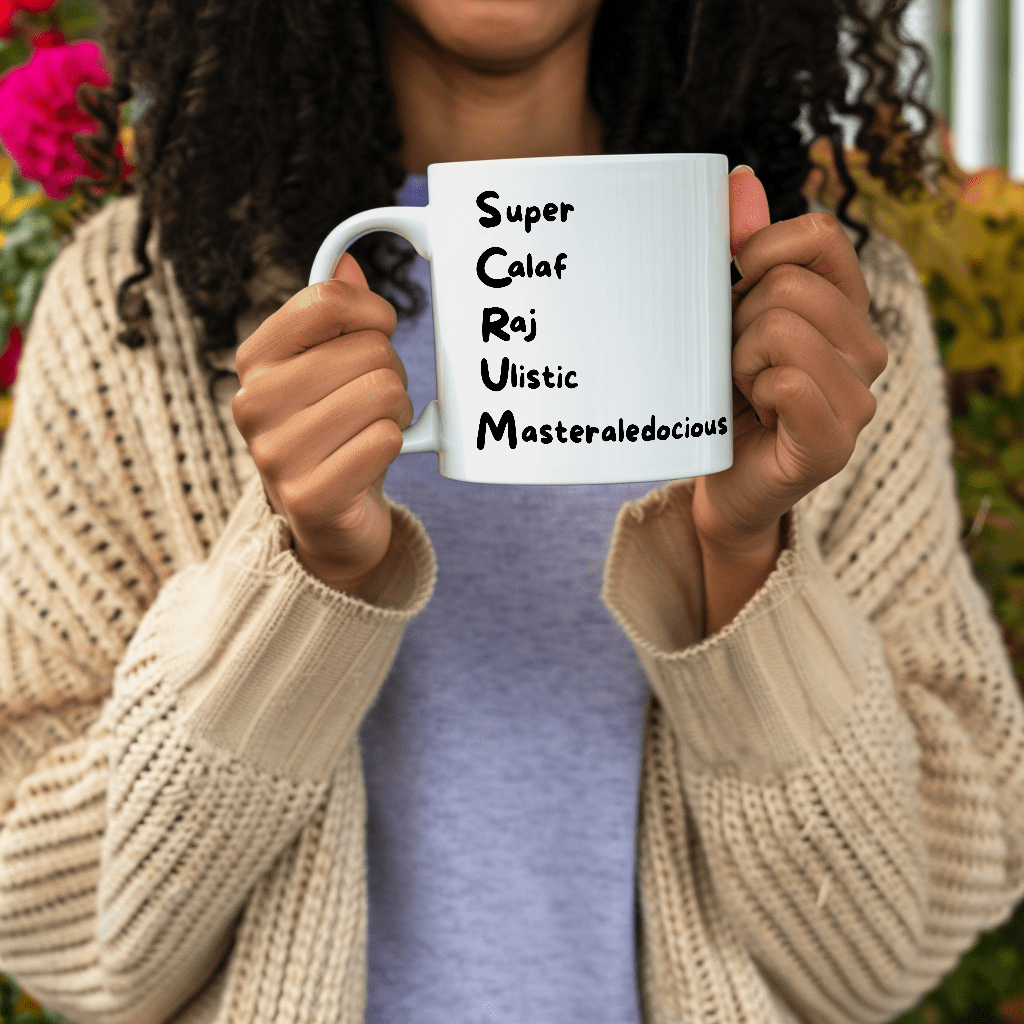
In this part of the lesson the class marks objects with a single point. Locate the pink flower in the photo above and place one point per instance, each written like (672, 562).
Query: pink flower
(9, 358)
(39, 114)
(37, 6)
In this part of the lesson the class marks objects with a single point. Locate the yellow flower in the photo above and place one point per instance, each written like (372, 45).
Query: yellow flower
(128, 142)
(26, 1004)
(10, 207)
(965, 235)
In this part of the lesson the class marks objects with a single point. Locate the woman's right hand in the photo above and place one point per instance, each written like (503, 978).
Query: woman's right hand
(322, 406)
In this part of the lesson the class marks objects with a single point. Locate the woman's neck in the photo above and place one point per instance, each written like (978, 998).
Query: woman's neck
(452, 108)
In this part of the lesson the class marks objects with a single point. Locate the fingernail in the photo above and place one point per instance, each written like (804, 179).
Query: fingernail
(743, 167)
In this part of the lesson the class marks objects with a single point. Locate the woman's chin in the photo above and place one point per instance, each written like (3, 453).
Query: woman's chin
(495, 35)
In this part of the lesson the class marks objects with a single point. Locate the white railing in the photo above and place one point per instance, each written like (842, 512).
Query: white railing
(1016, 119)
(977, 47)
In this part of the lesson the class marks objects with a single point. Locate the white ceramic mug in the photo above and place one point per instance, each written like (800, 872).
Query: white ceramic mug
(582, 316)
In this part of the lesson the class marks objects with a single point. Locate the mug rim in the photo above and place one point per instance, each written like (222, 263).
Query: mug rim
(561, 161)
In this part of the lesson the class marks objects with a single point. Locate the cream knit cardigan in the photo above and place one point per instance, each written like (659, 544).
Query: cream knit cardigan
(832, 792)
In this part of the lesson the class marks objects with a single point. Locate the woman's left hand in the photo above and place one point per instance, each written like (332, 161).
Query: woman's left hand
(804, 359)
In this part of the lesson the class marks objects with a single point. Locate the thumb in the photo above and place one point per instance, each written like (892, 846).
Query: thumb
(748, 206)
(349, 270)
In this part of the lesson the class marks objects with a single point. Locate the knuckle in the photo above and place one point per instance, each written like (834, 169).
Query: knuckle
(307, 296)
(246, 353)
(792, 383)
(777, 322)
(387, 440)
(327, 294)
(823, 223)
(399, 410)
(377, 349)
(333, 305)
(386, 385)
(242, 411)
(265, 454)
(868, 407)
(783, 282)
(405, 412)
(324, 307)
(380, 443)
(353, 309)
(399, 368)
(879, 357)
(296, 498)
(319, 298)
(385, 312)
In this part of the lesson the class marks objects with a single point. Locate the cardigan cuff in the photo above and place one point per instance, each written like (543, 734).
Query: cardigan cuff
(274, 666)
(756, 698)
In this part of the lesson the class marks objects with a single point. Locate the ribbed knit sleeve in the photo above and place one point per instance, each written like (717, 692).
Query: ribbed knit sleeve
(850, 746)
(177, 694)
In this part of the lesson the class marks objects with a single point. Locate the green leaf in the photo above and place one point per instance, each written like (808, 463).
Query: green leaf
(31, 226)
(919, 1015)
(945, 332)
(995, 970)
(1000, 224)
(23, 186)
(41, 253)
(1013, 460)
(939, 290)
(983, 479)
(1015, 255)
(12, 54)
(957, 991)
(9, 993)
(995, 312)
(28, 291)
(982, 415)
(10, 271)
(78, 16)
(6, 323)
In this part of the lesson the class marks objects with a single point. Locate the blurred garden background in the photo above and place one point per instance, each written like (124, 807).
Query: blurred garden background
(964, 232)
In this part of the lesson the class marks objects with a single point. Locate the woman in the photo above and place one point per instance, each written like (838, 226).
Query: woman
(804, 807)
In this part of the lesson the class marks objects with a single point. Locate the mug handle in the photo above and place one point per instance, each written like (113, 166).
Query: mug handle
(412, 223)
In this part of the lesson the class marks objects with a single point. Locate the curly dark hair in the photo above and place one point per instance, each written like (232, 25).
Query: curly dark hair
(276, 116)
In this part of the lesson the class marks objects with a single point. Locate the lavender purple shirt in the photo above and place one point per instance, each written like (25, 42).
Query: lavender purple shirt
(502, 756)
